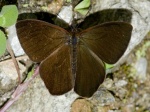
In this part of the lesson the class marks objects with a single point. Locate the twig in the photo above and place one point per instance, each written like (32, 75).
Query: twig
(18, 92)
(14, 61)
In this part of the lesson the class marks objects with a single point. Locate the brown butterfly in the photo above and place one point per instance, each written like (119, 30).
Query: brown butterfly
(73, 58)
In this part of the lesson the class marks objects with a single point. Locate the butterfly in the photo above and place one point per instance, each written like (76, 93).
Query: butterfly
(73, 58)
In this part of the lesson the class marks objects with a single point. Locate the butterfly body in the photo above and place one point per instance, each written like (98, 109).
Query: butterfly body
(74, 39)
(73, 59)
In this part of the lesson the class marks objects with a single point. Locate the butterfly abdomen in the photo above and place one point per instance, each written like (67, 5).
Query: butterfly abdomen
(74, 53)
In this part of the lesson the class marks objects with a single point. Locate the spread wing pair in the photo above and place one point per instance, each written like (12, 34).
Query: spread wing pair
(46, 43)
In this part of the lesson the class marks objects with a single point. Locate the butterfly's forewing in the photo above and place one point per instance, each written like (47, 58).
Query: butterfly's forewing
(39, 39)
(55, 70)
(108, 41)
(90, 72)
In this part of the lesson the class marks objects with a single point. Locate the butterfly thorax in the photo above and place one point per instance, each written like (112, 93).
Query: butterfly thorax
(74, 39)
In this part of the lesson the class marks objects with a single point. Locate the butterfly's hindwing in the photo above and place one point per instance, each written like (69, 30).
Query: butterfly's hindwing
(90, 72)
(56, 71)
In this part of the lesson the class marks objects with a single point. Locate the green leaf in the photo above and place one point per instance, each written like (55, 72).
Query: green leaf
(83, 6)
(8, 15)
(30, 73)
(83, 11)
(2, 43)
(68, 1)
(108, 66)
